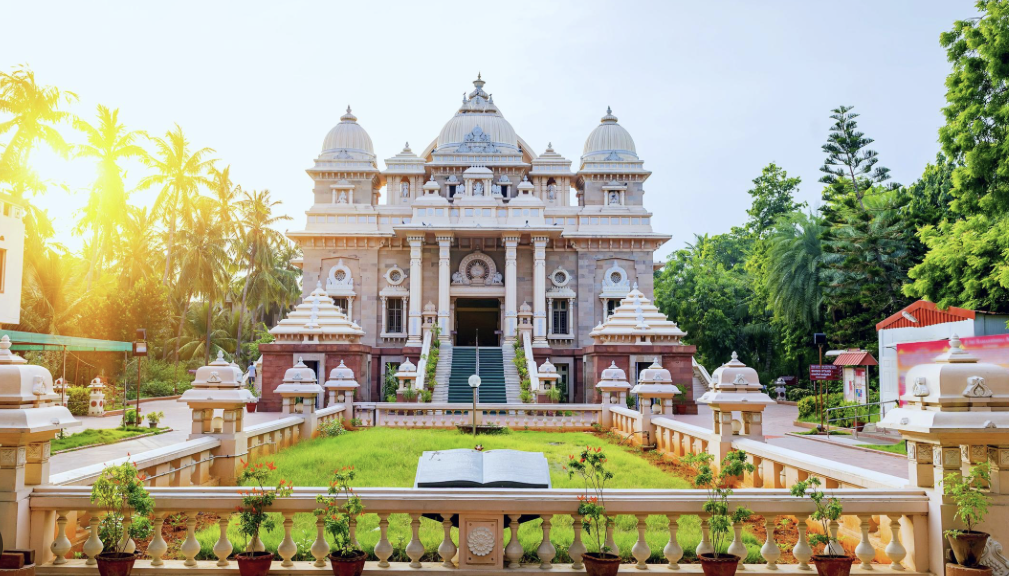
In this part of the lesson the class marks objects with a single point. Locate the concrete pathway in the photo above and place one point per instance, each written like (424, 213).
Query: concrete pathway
(178, 417)
(778, 421)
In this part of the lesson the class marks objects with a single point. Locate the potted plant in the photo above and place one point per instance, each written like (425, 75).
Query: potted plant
(153, 418)
(130, 417)
(591, 466)
(252, 516)
(720, 562)
(967, 492)
(250, 407)
(409, 394)
(833, 561)
(339, 509)
(118, 489)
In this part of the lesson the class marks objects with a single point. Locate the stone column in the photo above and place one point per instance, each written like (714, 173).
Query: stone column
(540, 292)
(511, 289)
(444, 285)
(416, 274)
(382, 316)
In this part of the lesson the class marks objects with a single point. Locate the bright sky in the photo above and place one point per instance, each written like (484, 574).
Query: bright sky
(710, 91)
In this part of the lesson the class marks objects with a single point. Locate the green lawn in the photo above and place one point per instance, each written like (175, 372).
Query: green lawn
(898, 448)
(100, 436)
(388, 457)
(813, 432)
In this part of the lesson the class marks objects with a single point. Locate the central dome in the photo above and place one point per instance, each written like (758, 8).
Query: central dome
(478, 121)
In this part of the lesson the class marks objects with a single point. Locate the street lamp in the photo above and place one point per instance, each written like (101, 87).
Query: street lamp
(474, 383)
(139, 349)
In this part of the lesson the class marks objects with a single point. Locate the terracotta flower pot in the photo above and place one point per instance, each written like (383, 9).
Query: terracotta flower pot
(968, 547)
(251, 407)
(115, 563)
(254, 563)
(601, 564)
(352, 565)
(718, 564)
(833, 564)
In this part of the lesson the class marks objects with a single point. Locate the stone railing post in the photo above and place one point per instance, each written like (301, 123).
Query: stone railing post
(30, 417)
(300, 383)
(612, 387)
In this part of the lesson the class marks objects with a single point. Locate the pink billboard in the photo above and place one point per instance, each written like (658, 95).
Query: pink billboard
(990, 349)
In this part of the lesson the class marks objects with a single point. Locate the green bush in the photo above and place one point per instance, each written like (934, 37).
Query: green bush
(130, 417)
(332, 428)
(78, 398)
(807, 406)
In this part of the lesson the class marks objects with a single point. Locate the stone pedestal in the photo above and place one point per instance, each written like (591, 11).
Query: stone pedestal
(299, 392)
(612, 390)
(655, 392)
(341, 387)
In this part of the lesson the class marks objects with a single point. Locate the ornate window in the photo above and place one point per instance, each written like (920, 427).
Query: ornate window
(560, 317)
(560, 304)
(477, 269)
(611, 305)
(340, 287)
(394, 316)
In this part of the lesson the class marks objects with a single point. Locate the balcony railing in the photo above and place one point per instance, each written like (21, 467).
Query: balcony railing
(899, 544)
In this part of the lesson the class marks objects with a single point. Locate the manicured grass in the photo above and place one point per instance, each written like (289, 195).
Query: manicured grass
(898, 448)
(100, 436)
(388, 457)
(831, 432)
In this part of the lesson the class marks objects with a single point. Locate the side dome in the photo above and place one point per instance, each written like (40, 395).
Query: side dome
(347, 140)
(477, 125)
(609, 141)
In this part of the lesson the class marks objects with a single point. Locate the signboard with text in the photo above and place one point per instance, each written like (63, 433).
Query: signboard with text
(824, 372)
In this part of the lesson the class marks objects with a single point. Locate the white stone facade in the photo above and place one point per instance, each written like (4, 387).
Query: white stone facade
(475, 225)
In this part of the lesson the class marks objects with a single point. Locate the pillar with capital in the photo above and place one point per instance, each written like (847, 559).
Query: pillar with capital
(540, 292)
(416, 275)
(444, 285)
(511, 288)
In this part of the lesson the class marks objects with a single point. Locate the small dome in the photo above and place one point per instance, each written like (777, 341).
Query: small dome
(407, 367)
(655, 374)
(346, 139)
(609, 141)
(299, 374)
(613, 378)
(546, 367)
(217, 374)
(342, 378)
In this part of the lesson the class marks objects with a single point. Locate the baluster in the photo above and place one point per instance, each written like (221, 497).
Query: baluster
(256, 545)
(834, 546)
(610, 542)
(894, 550)
(383, 549)
(640, 550)
(61, 545)
(447, 549)
(287, 548)
(673, 552)
(223, 547)
(736, 546)
(864, 551)
(415, 549)
(577, 549)
(157, 548)
(705, 547)
(353, 532)
(191, 547)
(802, 551)
(126, 543)
(320, 548)
(93, 547)
(546, 551)
(514, 549)
(769, 551)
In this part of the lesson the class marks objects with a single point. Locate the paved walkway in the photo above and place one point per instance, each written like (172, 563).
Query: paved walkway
(778, 421)
(178, 417)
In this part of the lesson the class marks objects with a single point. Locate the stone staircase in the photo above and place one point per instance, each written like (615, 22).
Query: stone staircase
(511, 374)
(442, 373)
(464, 365)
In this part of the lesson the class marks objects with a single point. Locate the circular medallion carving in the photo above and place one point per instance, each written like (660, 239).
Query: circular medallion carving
(480, 541)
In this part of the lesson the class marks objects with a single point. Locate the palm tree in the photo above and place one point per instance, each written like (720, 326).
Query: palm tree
(108, 143)
(257, 243)
(795, 261)
(35, 111)
(225, 194)
(53, 298)
(137, 247)
(180, 173)
(200, 326)
(203, 264)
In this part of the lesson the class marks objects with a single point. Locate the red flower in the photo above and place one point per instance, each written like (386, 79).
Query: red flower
(271, 466)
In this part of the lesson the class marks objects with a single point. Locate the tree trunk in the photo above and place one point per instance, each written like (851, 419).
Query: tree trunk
(210, 319)
(168, 253)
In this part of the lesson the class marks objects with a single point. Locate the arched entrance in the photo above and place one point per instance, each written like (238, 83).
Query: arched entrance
(477, 316)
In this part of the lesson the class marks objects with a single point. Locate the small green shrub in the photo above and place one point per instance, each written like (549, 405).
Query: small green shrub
(78, 399)
(332, 429)
(130, 417)
(807, 406)
(425, 396)
(526, 396)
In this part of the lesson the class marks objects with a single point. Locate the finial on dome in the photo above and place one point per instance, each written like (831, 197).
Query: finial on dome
(220, 354)
(613, 363)
(635, 286)
(349, 116)
(608, 110)
(954, 341)
(348, 109)
(734, 355)
(300, 360)
(477, 75)
(550, 145)
(407, 146)
(655, 361)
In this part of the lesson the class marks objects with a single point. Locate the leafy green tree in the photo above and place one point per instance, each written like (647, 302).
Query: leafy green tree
(850, 167)
(773, 195)
(795, 258)
(966, 264)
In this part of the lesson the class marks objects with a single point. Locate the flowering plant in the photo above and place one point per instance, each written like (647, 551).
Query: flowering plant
(338, 515)
(252, 513)
(591, 466)
(719, 489)
(118, 489)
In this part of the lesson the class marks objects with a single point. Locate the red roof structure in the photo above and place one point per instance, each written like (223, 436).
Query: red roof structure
(855, 358)
(926, 314)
